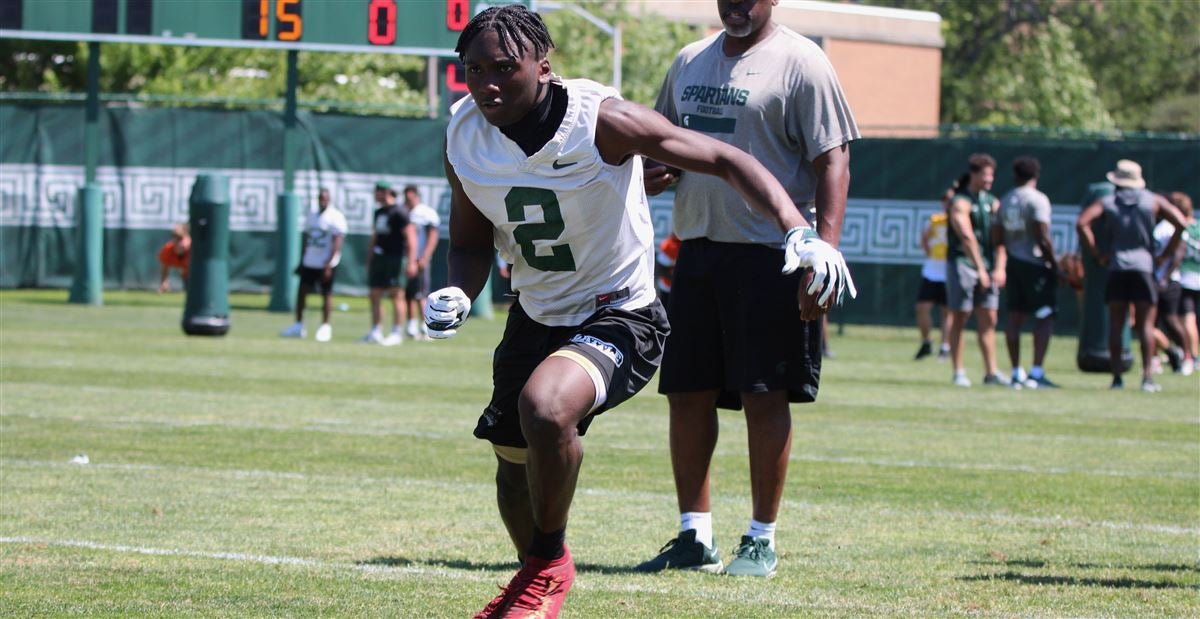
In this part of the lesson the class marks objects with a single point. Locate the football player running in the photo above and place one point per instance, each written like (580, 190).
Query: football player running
(549, 172)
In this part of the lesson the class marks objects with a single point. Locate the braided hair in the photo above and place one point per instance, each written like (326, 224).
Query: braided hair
(514, 24)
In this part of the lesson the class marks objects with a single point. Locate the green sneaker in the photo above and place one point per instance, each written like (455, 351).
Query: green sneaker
(684, 553)
(754, 557)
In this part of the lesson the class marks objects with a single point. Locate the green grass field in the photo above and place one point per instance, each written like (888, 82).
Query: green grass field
(255, 476)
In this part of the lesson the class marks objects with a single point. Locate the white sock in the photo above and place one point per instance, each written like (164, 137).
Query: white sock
(375, 330)
(762, 529)
(1018, 374)
(396, 330)
(1036, 372)
(701, 522)
(945, 347)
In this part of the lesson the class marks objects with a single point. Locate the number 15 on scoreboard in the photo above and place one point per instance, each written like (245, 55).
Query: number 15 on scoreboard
(380, 25)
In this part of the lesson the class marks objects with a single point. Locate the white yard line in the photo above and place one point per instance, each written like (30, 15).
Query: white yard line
(243, 557)
(637, 497)
(714, 594)
(332, 426)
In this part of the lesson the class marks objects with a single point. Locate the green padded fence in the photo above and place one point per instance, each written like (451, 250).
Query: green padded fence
(149, 158)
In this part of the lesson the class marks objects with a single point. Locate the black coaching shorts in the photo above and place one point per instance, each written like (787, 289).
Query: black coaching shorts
(314, 279)
(1031, 287)
(625, 345)
(931, 292)
(1130, 286)
(735, 326)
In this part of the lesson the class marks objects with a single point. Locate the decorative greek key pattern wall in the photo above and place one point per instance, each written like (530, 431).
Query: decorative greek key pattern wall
(875, 231)
(157, 198)
(889, 231)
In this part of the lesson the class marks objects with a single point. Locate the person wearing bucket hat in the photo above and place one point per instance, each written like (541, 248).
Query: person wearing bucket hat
(1128, 215)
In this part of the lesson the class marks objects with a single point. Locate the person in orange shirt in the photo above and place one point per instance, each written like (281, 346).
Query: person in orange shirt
(175, 254)
(664, 266)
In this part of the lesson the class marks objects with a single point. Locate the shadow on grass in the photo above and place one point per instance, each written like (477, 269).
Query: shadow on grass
(1115, 583)
(1154, 567)
(501, 566)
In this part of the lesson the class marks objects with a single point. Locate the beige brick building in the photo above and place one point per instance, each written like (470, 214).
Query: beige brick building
(888, 60)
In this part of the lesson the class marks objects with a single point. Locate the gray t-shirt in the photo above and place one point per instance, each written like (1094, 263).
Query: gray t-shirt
(780, 101)
(1129, 218)
(1022, 210)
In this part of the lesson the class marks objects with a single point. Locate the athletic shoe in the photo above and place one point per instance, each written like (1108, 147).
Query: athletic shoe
(1149, 386)
(925, 350)
(296, 330)
(538, 590)
(1040, 383)
(393, 339)
(961, 380)
(943, 354)
(684, 553)
(995, 380)
(1188, 366)
(1156, 365)
(373, 337)
(324, 333)
(1117, 383)
(754, 557)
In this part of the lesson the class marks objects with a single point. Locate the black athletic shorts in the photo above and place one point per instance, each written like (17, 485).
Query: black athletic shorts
(735, 326)
(1031, 287)
(387, 272)
(1130, 286)
(1169, 299)
(626, 346)
(314, 279)
(931, 292)
(1189, 301)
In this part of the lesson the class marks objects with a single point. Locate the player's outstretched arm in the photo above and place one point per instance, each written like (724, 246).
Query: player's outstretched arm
(625, 129)
(470, 262)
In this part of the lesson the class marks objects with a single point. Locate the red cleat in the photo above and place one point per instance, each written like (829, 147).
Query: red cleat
(536, 592)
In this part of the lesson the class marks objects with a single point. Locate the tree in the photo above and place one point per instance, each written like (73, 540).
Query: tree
(210, 74)
(1101, 64)
(650, 43)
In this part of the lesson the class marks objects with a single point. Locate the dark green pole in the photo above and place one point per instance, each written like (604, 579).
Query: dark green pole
(87, 285)
(206, 308)
(289, 122)
(287, 207)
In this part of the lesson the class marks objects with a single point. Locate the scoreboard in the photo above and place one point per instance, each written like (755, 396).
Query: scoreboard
(415, 27)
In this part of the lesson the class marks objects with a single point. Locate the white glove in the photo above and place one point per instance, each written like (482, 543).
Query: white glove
(445, 311)
(803, 248)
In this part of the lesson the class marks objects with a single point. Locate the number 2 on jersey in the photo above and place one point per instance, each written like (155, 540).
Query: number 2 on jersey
(560, 258)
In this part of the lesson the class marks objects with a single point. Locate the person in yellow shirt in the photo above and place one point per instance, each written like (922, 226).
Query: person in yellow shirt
(933, 282)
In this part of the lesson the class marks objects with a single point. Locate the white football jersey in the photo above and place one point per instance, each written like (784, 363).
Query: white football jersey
(576, 229)
(319, 230)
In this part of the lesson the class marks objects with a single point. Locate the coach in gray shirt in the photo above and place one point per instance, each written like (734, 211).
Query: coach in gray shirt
(1129, 215)
(737, 336)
